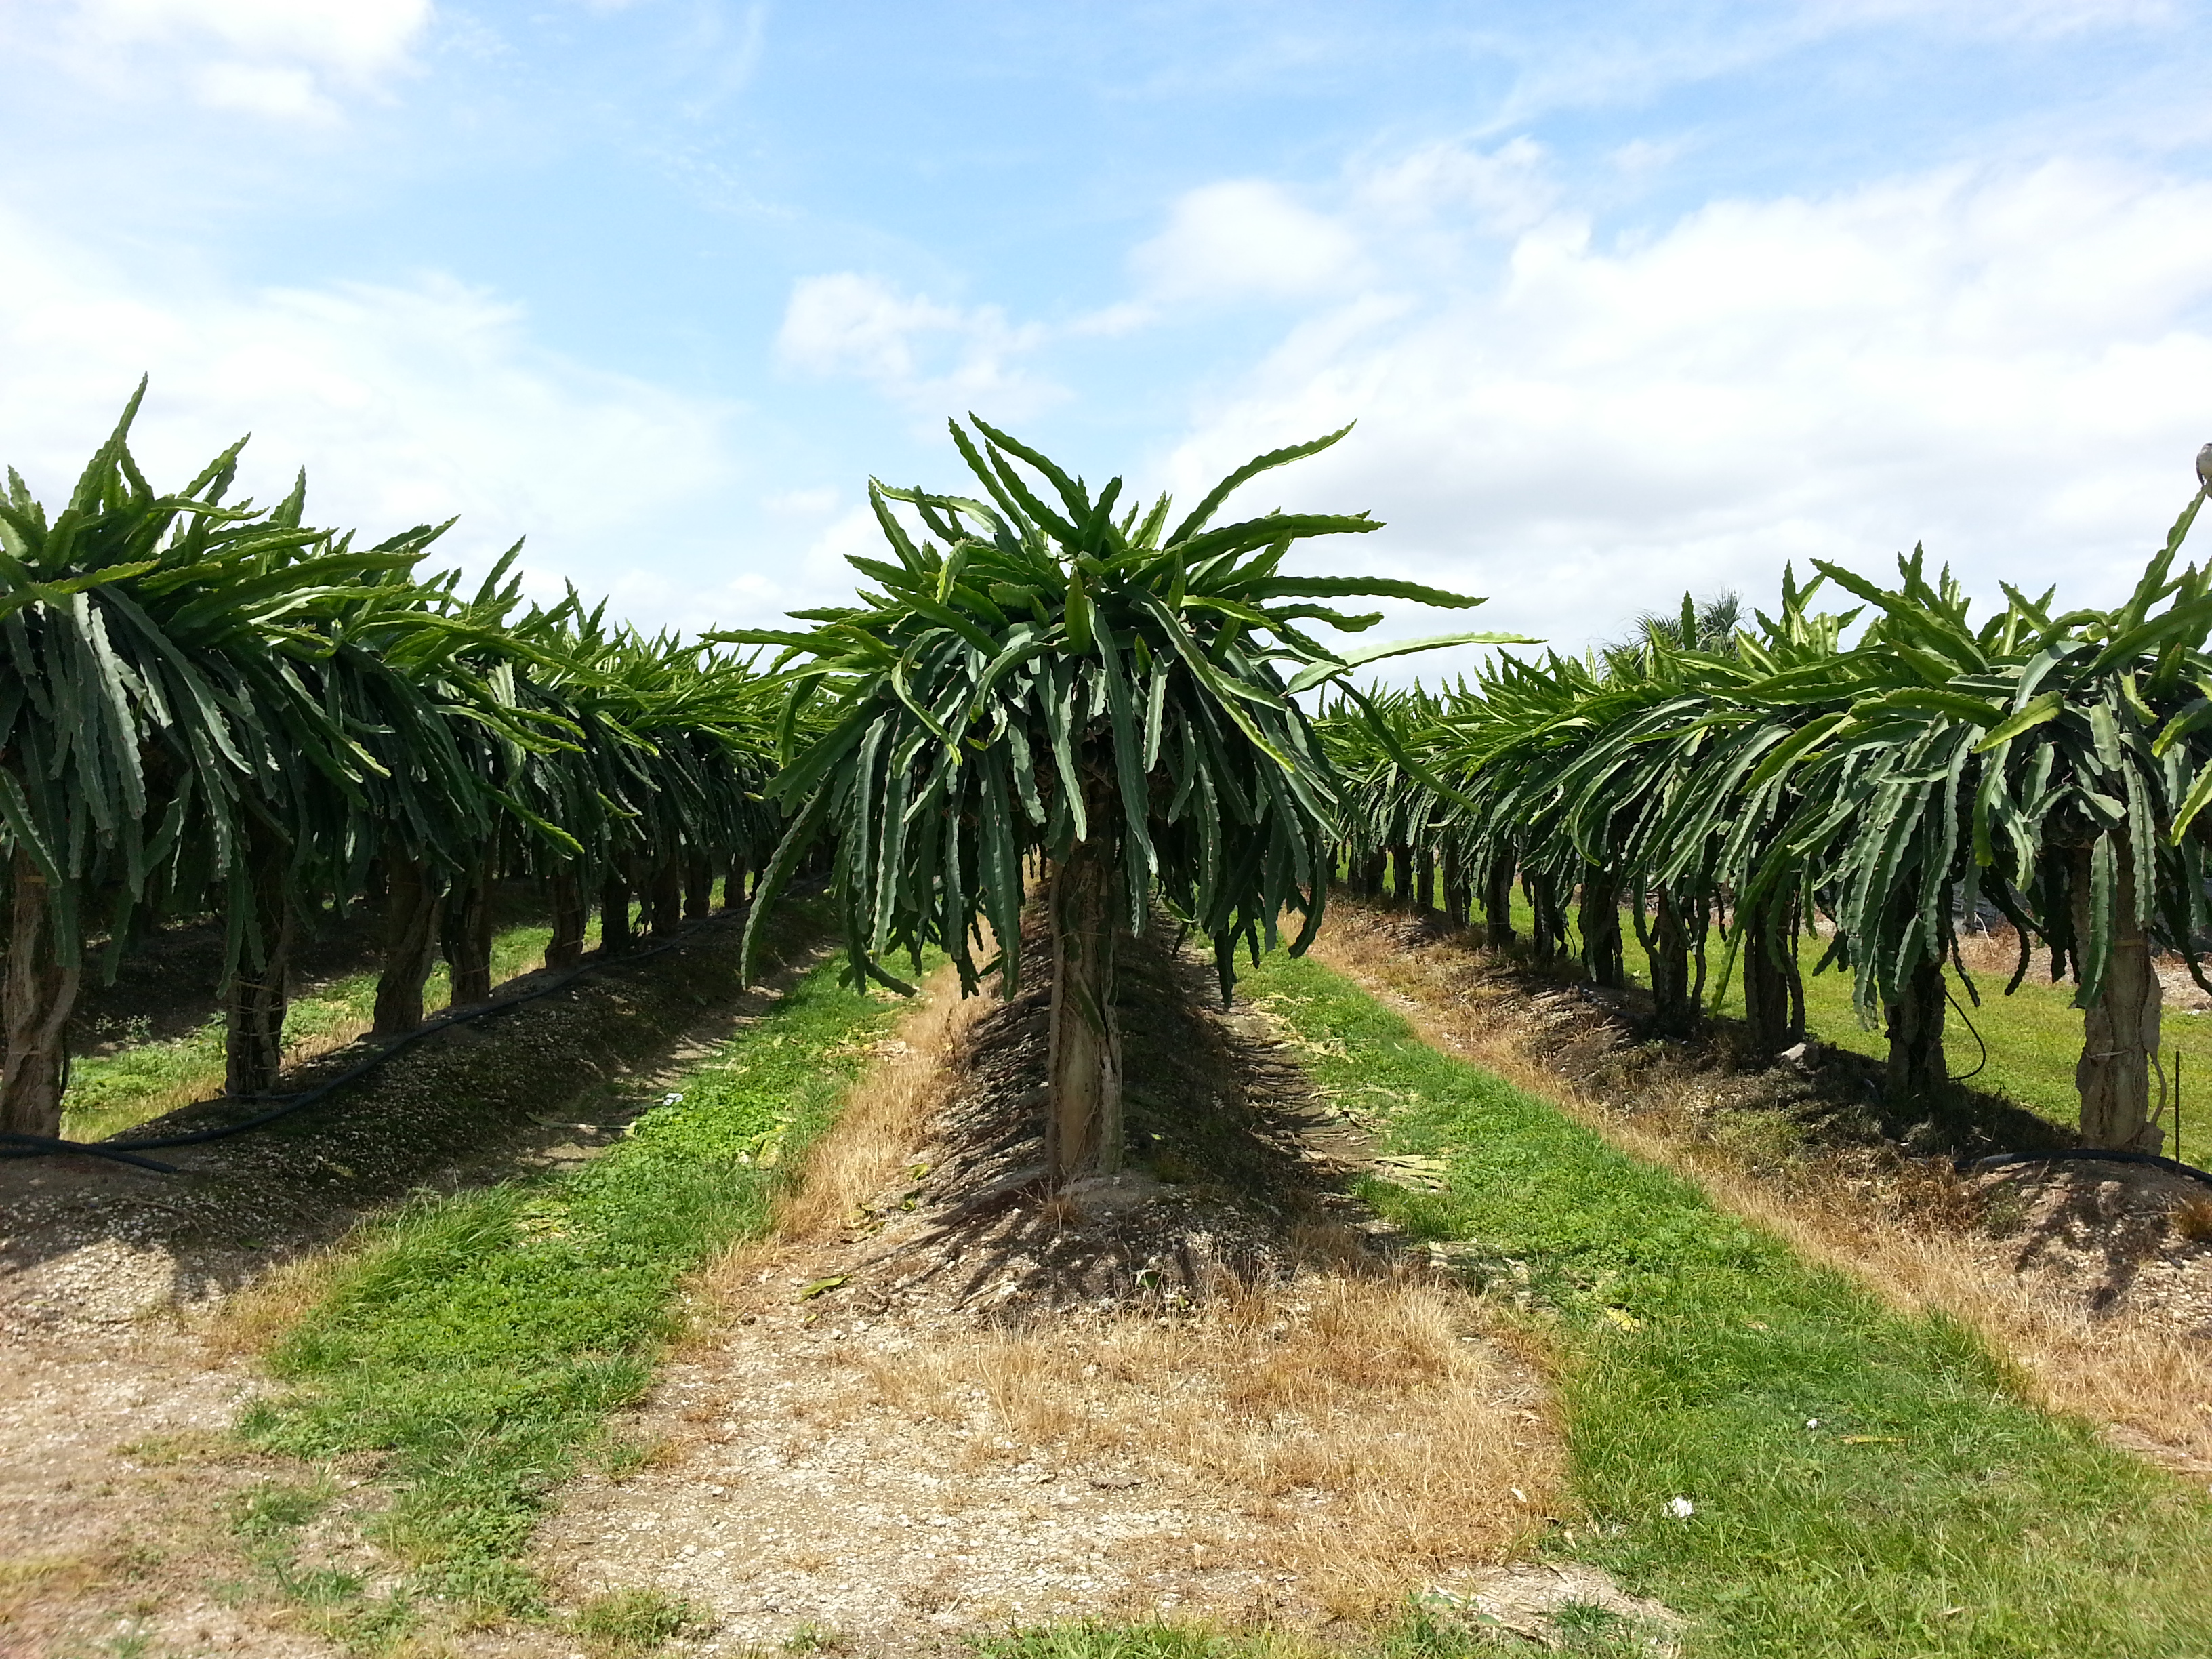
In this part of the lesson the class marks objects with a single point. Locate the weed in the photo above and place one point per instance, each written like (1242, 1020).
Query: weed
(273, 1510)
(2192, 1220)
(632, 1621)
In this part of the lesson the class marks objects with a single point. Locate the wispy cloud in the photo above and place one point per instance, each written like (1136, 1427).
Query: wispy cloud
(922, 353)
(285, 59)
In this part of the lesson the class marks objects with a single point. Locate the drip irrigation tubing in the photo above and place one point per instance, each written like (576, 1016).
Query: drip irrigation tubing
(2084, 1155)
(13, 1145)
(1971, 1027)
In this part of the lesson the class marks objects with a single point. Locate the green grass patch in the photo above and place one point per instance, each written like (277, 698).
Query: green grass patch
(1420, 1632)
(1860, 1482)
(480, 1339)
(2032, 1037)
(632, 1621)
(110, 1093)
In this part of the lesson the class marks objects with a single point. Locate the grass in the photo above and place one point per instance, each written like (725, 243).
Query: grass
(1370, 1442)
(1861, 1481)
(1418, 1633)
(631, 1622)
(2032, 1037)
(110, 1093)
(480, 1340)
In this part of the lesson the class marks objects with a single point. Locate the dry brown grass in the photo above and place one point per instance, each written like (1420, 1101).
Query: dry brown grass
(886, 1116)
(1371, 1434)
(254, 1319)
(2193, 1221)
(2147, 1381)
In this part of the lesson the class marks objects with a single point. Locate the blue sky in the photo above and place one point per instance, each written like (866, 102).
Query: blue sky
(1626, 299)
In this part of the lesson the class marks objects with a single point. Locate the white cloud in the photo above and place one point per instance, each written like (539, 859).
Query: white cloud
(933, 358)
(2014, 367)
(2038, 19)
(1246, 238)
(263, 89)
(803, 503)
(283, 59)
(358, 39)
(405, 405)
(1503, 190)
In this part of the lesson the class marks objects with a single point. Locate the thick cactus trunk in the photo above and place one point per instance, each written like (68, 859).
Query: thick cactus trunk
(464, 936)
(411, 943)
(1497, 901)
(1918, 1069)
(258, 992)
(614, 912)
(1457, 899)
(1774, 998)
(1600, 923)
(566, 948)
(2120, 1034)
(1548, 927)
(1401, 875)
(1083, 1107)
(1372, 873)
(665, 897)
(35, 1003)
(1674, 998)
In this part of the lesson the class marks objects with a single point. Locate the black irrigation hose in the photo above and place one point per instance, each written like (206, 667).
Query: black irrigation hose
(13, 1144)
(1984, 1046)
(2085, 1154)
